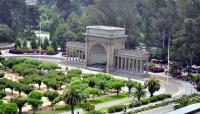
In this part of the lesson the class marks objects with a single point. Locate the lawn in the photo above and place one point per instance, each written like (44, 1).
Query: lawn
(102, 99)
(103, 109)
(108, 98)
(50, 112)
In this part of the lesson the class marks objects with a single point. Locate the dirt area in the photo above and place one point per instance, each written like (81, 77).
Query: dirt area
(27, 108)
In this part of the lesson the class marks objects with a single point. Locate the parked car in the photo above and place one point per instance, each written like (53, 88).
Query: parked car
(154, 69)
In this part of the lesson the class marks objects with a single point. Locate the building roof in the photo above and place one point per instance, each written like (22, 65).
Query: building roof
(104, 27)
(187, 109)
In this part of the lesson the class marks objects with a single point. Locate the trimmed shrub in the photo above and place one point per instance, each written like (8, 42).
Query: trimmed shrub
(8, 108)
(136, 104)
(163, 96)
(35, 95)
(48, 66)
(144, 101)
(153, 99)
(87, 106)
(94, 112)
(16, 51)
(116, 108)
(2, 94)
(32, 61)
(2, 74)
(51, 95)
(1, 67)
(51, 51)
(74, 71)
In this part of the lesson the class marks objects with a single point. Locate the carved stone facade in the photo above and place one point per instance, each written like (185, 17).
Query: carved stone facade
(104, 45)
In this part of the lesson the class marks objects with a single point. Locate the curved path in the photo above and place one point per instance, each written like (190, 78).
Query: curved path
(172, 86)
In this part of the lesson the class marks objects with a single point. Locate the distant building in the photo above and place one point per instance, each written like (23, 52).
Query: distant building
(43, 35)
(31, 2)
(104, 48)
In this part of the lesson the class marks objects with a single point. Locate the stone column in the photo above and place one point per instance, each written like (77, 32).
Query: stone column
(128, 66)
(118, 62)
(125, 65)
(69, 53)
(136, 66)
(141, 62)
(132, 65)
(122, 60)
(78, 58)
(81, 56)
(130, 62)
(73, 55)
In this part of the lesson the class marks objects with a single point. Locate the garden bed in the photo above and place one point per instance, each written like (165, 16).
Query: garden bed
(32, 52)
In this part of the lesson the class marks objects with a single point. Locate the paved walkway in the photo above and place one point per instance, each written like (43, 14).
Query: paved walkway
(172, 86)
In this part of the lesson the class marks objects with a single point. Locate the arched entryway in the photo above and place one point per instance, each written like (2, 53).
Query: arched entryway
(97, 56)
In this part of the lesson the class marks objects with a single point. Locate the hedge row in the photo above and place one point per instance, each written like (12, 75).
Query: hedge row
(94, 112)
(145, 108)
(119, 108)
(116, 108)
(150, 99)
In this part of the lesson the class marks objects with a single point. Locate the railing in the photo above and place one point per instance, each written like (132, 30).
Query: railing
(76, 45)
(134, 53)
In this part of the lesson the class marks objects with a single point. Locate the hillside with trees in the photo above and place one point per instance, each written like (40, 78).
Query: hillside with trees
(151, 22)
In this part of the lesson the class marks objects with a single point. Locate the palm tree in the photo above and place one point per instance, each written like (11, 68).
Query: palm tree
(153, 85)
(72, 97)
(139, 91)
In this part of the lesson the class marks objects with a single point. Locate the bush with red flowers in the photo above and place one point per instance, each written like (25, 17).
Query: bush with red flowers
(16, 51)
(33, 51)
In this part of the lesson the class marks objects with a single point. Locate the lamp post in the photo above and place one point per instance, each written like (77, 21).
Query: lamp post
(40, 38)
(168, 61)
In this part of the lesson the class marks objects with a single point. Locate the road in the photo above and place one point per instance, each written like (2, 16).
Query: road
(172, 86)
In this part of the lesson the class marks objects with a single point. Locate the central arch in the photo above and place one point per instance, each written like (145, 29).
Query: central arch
(97, 55)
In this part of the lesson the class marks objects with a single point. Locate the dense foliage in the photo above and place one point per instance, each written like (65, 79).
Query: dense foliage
(151, 22)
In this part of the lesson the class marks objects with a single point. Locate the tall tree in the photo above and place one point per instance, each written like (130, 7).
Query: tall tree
(130, 84)
(72, 97)
(20, 103)
(152, 85)
(139, 91)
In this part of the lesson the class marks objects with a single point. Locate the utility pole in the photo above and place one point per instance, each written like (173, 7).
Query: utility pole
(168, 61)
(40, 37)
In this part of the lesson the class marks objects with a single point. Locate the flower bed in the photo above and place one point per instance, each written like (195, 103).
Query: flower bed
(32, 51)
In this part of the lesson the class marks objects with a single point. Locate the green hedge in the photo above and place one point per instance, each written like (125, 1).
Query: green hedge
(163, 96)
(87, 106)
(153, 99)
(150, 99)
(144, 101)
(137, 104)
(145, 108)
(94, 112)
(2, 74)
(116, 108)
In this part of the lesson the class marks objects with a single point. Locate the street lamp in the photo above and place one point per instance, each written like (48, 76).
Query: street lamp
(40, 38)
(168, 61)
